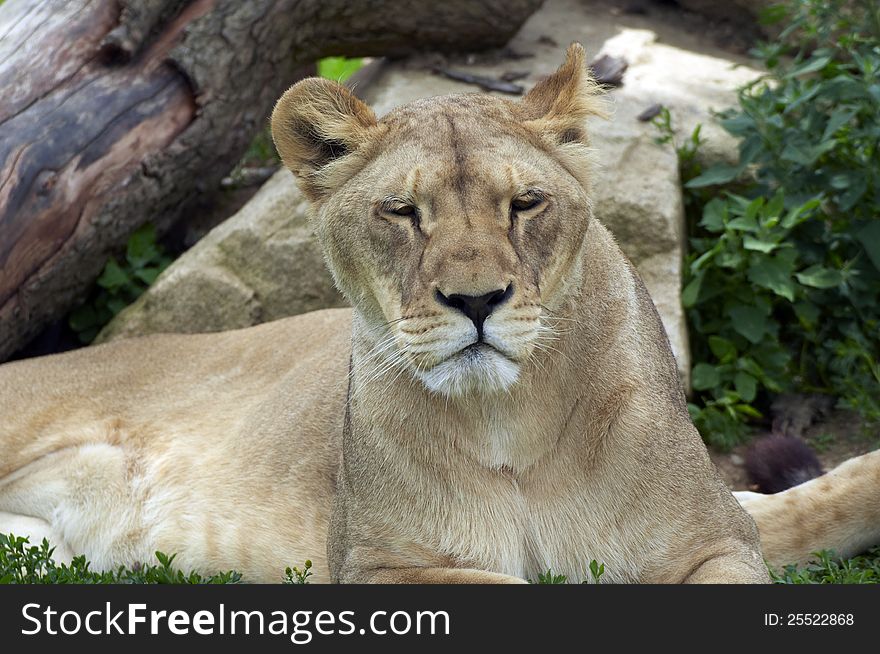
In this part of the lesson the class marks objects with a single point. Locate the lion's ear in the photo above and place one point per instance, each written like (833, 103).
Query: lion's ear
(560, 104)
(316, 122)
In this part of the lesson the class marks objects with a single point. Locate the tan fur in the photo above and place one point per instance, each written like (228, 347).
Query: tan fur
(838, 511)
(563, 438)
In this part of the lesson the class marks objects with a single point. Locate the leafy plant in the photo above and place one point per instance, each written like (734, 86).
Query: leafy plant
(120, 284)
(23, 563)
(596, 570)
(298, 576)
(550, 578)
(864, 569)
(782, 283)
(338, 69)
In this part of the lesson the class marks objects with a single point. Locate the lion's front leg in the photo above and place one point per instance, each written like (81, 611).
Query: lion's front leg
(439, 576)
(732, 568)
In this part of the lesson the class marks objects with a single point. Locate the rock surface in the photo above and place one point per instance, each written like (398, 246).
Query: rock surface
(263, 263)
(739, 11)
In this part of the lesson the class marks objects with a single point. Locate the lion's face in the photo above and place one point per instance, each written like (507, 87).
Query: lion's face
(454, 224)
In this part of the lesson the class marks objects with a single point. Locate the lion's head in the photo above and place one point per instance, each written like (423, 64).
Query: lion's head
(454, 224)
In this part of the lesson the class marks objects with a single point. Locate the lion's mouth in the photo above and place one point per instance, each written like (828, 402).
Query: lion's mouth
(479, 350)
(476, 349)
(476, 367)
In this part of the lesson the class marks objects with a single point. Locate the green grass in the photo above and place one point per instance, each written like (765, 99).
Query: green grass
(864, 569)
(23, 563)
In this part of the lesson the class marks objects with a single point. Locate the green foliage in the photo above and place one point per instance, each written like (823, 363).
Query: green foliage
(338, 69)
(550, 578)
(298, 576)
(596, 571)
(261, 151)
(822, 442)
(782, 283)
(827, 569)
(22, 563)
(120, 284)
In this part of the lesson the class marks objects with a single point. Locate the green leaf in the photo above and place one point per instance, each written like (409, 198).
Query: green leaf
(338, 69)
(754, 209)
(82, 318)
(750, 366)
(88, 335)
(811, 65)
(714, 214)
(805, 154)
(716, 175)
(723, 349)
(746, 386)
(774, 209)
(820, 277)
(751, 322)
(869, 238)
(749, 149)
(147, 275)
(807, 312)
(749, 411)
(743, 224)
(839, 117)
(772, 14)
(141, 248)
(758, 245)
(691, 292)
(115, 305)
(739, 125)
(799, 214)
(705, 377)
(857, 188)
(113, 277)
(773, 273)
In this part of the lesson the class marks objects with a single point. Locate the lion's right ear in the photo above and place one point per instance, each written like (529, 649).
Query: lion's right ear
(315, 123)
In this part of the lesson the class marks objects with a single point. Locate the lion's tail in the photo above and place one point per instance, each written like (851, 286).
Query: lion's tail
(836, 511)
(777, 462)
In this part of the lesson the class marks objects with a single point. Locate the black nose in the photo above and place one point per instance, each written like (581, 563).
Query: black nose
(476, 307)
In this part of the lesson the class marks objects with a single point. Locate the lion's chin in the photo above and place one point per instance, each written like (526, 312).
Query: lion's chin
(475, 369)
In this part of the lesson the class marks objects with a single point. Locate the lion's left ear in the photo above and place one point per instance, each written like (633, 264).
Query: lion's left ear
(560, 104)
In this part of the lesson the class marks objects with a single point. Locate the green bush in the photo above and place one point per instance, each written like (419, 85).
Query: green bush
(827, 569)
(782, 283)
(596, 570)
(23, 563)
(120, 284)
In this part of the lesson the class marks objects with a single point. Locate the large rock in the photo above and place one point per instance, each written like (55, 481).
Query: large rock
(262, 263)
(744, 12)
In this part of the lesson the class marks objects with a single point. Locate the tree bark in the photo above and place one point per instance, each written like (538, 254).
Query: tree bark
(115, 113)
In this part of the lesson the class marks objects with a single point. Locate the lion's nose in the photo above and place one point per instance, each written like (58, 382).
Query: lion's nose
(476, 307)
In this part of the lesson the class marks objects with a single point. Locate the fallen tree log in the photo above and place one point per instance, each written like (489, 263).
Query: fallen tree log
(115, 113)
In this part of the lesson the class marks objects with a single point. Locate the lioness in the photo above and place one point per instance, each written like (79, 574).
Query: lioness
(501, 400)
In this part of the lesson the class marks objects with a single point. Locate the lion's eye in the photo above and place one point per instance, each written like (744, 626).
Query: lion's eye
(402, 210)
(527, 202)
